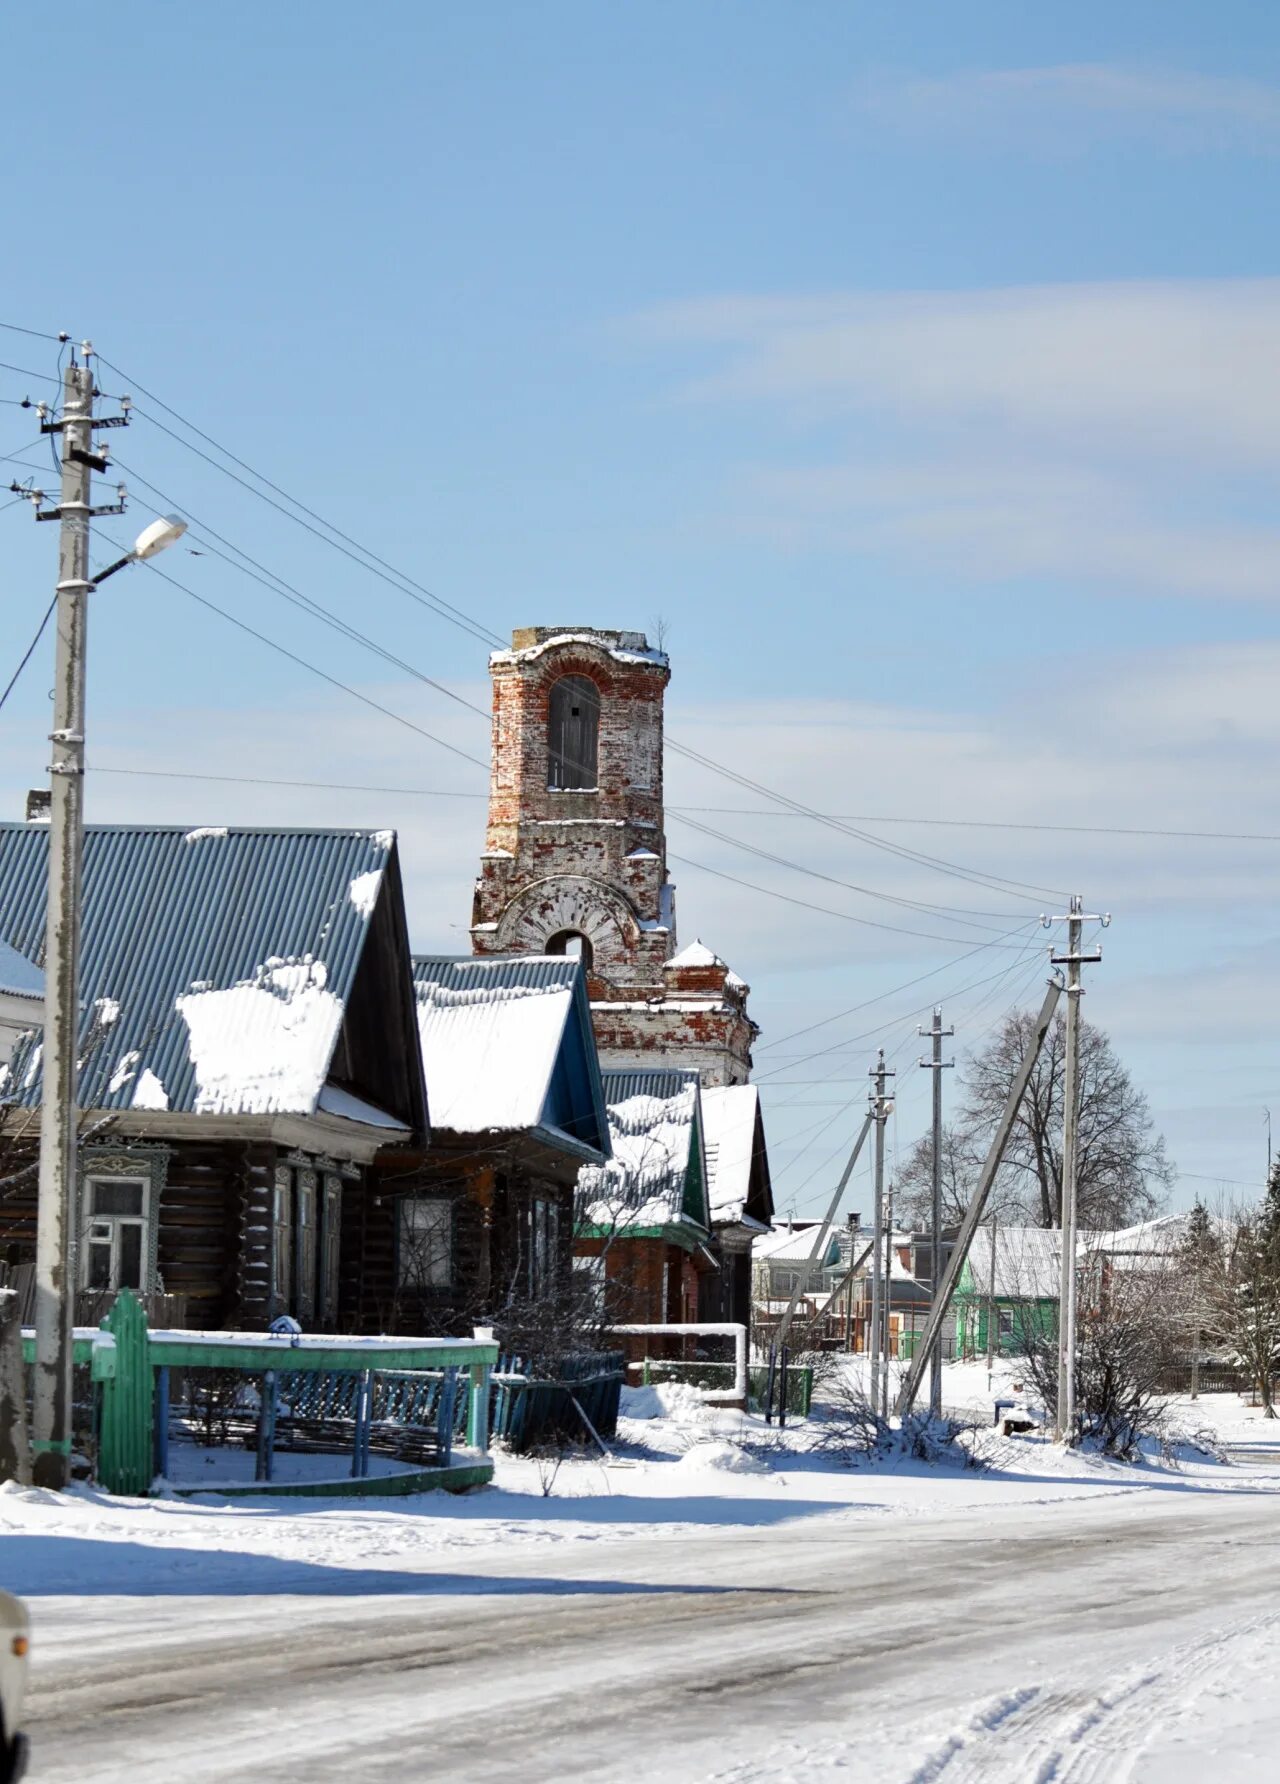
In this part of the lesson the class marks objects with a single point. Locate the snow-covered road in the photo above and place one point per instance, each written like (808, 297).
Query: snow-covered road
(1115, 1636)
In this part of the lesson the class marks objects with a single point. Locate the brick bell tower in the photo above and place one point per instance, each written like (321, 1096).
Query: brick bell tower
(575, 858)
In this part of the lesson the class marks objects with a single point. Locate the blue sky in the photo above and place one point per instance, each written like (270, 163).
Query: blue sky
(917, 366)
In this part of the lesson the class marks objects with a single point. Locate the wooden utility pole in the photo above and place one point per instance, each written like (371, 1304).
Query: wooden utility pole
(937, 1065)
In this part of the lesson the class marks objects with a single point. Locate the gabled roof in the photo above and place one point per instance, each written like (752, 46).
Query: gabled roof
(656, 1180)
(1028, 1263)
(217, 965)
(697, 953)
(738, 1186)
(792, 1242)
(507, 1047)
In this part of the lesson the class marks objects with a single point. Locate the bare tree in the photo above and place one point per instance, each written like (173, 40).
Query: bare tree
(961, 1161)
(1240, 1277)
(1124, 1170)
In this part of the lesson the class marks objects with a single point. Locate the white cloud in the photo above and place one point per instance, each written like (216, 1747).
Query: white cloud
(1125, 435)
(1071, 104)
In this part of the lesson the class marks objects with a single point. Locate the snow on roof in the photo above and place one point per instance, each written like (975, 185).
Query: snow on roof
(1149, 1238)
(1028, 1262)
(696, 954)
(654, 1135)
(489, 1041)
(729, 1113)
(792, 1241)
(623, 647)
(19, 977)
(216, 963)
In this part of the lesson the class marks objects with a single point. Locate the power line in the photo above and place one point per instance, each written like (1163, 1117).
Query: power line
(262, 780)
(956, 913)
(277, 585)
(446, 610)
(822, 909)
(37, 334)
(995, 824)
(302, 662)
(27, 654)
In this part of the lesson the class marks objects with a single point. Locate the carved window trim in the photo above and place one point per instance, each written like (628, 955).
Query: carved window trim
(148, 1163)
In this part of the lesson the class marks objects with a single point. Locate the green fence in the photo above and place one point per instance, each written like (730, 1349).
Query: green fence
(127, 1360)
(720, 1377)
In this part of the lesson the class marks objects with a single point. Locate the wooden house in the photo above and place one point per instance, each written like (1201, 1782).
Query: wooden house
(248, 1043)
(643, 1227)
(1007, 1294)
(478, 1226)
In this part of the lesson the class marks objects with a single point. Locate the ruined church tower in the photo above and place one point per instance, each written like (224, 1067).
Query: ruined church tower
(575, 857)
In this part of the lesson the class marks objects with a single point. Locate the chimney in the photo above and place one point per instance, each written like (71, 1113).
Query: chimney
(39, 799)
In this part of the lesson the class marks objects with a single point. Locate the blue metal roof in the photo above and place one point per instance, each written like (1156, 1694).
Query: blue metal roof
(173, 914)
(19, 976)
(658, 1175)
(492, 1063)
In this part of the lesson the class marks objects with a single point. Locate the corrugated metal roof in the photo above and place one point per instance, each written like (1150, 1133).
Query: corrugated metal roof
(657, 1175)
(215, 964)
(507, 1047)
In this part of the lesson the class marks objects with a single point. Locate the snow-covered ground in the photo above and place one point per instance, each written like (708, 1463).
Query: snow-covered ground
(741, 1603)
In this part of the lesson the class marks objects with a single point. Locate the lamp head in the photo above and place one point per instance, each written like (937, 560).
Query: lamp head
(158, 536)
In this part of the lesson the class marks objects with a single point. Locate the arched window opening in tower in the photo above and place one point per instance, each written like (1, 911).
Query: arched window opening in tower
(573, 945)
(573, 731)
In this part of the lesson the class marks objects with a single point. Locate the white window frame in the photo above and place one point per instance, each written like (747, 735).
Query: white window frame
(116, 1223)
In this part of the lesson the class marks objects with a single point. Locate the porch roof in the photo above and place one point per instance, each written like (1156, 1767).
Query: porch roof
(657, 1177)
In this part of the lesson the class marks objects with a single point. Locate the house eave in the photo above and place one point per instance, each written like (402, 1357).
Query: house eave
(320, 1133)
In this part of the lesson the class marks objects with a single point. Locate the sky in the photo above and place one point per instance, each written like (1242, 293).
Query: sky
(914, 371)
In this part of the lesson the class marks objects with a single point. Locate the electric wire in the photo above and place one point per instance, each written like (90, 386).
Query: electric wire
(30, 650)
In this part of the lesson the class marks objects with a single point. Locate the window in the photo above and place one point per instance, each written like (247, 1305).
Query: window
(330, 1242)
(544, 1246)
(589, 1279)
(573, 731)
(282, 1242)
(1004, 1322)
(117, 1249)
(424, 1252)
(305, 1249)
(573, 945)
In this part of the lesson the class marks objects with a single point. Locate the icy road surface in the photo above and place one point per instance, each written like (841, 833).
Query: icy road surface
(1128, 1635)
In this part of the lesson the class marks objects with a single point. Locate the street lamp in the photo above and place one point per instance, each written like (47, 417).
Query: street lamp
(151, 541)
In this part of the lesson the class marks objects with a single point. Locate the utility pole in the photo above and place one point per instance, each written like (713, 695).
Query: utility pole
(51, 1407)
(55, 1288)
(879, 1113)
(1073, 960)
(937, 1065)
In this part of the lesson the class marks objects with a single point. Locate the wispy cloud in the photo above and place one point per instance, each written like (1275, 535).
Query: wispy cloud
(1071, 104)
(1127, 434)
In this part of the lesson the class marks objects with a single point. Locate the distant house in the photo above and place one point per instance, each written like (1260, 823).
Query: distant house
(248, 1044)
(643, 1224)
(739, 1194)
(1018, 1288)
(480, 1222)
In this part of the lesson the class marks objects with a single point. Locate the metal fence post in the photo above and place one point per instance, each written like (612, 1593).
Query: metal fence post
(264, 1467)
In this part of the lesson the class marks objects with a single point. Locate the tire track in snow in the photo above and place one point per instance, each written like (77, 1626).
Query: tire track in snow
(1072, 1736)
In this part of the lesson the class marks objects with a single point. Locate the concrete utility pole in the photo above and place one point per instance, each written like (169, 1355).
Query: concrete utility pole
(937, 1065)
(1073, 960)
(879, 1113)
(51, 1406)
(978, 1200)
